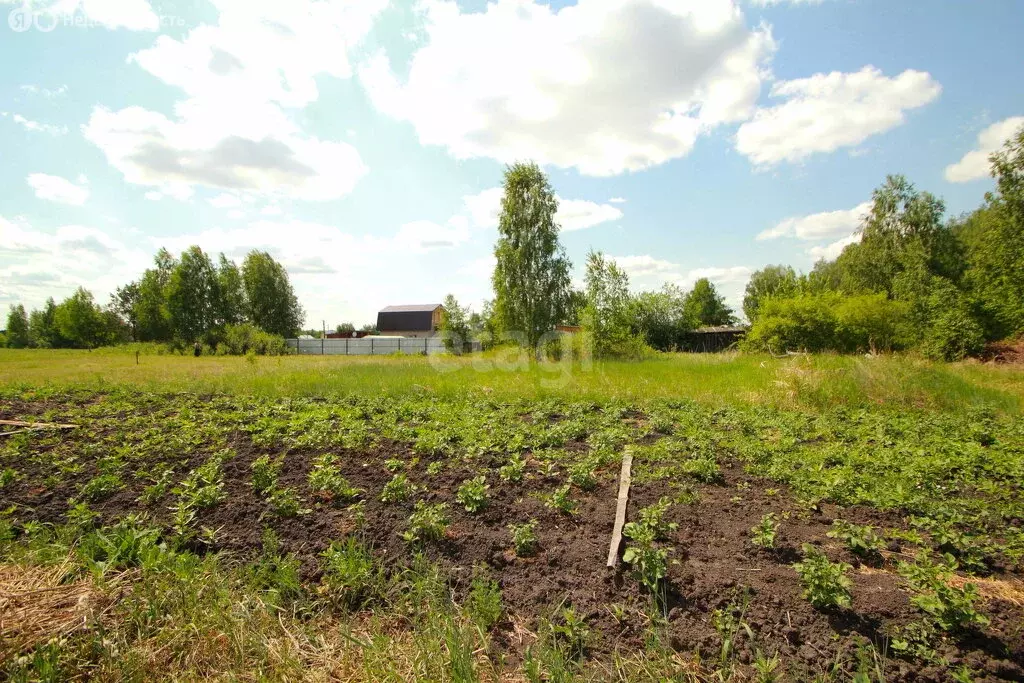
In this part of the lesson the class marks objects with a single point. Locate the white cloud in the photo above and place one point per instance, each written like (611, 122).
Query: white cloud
(825, 112)
(154, 196)
(48, 93)
(580, 214)
(484, 210)
(254, 154)
(606, 86)
(616, 200)
(38, 264)
(975, 164)
(35, 126)
(824, 225)
(831, 251)
(56, 189)
(225, 201)
(241, 77)
(645, 265)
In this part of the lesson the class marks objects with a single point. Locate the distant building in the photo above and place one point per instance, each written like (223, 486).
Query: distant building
(410, 321)
(712, 339)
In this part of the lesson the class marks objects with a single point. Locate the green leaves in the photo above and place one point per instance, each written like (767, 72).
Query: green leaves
(531, 275)
(825, 583)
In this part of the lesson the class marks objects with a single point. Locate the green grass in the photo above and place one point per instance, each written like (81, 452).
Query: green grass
(942, 445)
(815, 382)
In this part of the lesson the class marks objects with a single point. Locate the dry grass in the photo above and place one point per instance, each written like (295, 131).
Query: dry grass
(1007, 590)
(36, 605)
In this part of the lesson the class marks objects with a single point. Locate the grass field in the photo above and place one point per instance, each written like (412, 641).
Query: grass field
(827, 517)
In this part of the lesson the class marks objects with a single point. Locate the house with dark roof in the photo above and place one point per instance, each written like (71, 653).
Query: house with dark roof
(421, 320)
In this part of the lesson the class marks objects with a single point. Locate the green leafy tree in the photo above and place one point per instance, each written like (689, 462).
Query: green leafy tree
(42, 327)
(994, 239)
(705, 307)
(123, 302)
(606, 313)
(230, 293)
(80, 321)
(531, 277)
(272, 305)
(17, 328)
(193, 295)
(454, 324)
(770, 281)
(660, 317)
(345, 327)
(902, 222)
(152, 318)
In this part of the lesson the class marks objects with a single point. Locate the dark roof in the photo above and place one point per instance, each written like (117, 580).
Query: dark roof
(416, 308)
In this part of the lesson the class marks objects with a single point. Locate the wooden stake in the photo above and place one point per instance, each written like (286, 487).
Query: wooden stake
(36, 425)
(620, 509)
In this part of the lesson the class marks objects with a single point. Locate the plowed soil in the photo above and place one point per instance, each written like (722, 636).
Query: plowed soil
(713, 564)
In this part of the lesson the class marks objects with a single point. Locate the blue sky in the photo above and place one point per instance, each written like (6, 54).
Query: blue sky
(362, 142)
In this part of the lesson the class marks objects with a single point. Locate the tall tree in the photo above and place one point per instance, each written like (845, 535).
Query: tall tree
(151, 315)
(780, 281)
(705, 307)
(271, 302)
(994, 239)
(123, 302)
(607, 297)
(17, 328)
(231, 301)
(42, 327)
(192, 295)
(531, 277)
(454, 324)
(902, 220)
(80, 321)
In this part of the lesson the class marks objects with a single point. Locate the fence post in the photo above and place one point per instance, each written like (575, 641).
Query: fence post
(346, 347)
(371, 347)
(425, 347)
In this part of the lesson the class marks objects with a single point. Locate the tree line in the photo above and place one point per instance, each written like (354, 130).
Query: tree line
(915, 280)
(180, 301)
(533, 293)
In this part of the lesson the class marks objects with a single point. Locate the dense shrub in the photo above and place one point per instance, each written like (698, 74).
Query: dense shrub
(831, 322)
(953, 333)
(238, 340)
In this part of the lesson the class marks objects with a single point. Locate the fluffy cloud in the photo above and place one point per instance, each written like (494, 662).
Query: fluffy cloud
(56, 189)
(35, 126)
(38, 264)
(484, 210)
(645, 265)
(607, 86)
(241, 77)
(817, 226)
(825, 112)
(975, 165)
(831, 251)
(176, 155)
